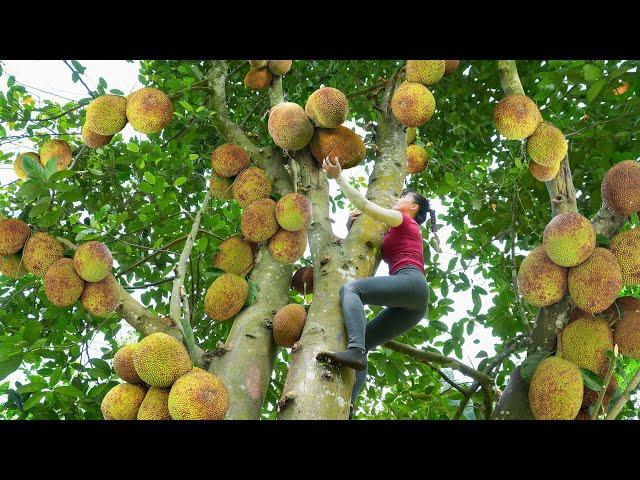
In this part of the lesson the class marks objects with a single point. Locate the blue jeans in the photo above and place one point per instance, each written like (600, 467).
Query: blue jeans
(406, 296)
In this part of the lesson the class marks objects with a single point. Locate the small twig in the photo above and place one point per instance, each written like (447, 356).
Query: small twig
(607, 379)
(147, 285)
(624, 398)
(93, 95)
(148, 257)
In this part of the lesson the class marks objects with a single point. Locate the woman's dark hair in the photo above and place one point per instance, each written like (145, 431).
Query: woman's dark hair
(424, 208)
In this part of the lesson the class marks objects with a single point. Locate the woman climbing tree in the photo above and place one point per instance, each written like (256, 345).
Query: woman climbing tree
(404, 292)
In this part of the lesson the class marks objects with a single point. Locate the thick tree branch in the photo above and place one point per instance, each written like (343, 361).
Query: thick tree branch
(624, 398)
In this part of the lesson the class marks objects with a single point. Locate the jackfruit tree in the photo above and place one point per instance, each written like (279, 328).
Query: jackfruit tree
(196, 258)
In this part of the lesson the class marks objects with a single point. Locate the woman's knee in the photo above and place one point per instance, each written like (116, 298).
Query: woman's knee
(347, 287)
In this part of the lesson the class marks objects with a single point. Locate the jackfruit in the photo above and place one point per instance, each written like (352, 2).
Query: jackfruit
(101, 298)
(234, 256)
(160, 359)
(280, 67)
(59, 149)
(93, 261)
(596, 282)
(339, 142)
(122, 402)
(412, 104)
(198, 395)
(621, 188)
(516, 117)
(40, 251)
(258, 222)
(258, 63)
(627, 334)
(626, 247)
(149, 110)
(327, 107)
(556, 389)
(258, 78)
(293, 212)
(585, 341)
(12, 266)
(547, 145)
(228, 160)
(426, 72)
(569, 239)
(417, 159)
(226, 296)
(92, 139)
(287, 247)
(289, 126)
(107, 114)
(252, 184)
(18, 167)
(411, 135)
(220, 187)
(288, 324)
(302, 280)
(544, 174)
(62, 285)
(540, 281)
(155, 405)
(13, 235)
(123, 364)
(450, 66)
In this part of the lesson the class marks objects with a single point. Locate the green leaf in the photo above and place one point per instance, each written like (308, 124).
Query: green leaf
(51, 168)
(115, 91)
(591, 72)
(61, 175)
(531, 363)
(31, 331)
(33, 400)
(149, 177)
(591, 380)
(594, 90)
(133, 147)
(450, 179)
(9, 365)
(33, 168)
(186, 105)
(69, 391)
(179, 181)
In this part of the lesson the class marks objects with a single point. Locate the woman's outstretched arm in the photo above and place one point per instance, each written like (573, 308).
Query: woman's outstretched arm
(391, 217)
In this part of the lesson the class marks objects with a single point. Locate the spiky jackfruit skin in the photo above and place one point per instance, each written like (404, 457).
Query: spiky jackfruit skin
(160, 359)
(93, 140)
(59, 149)
(338, 142)
(252, 184)
(287, 247)
(107, 114)
(413, 104)
(93, 261)
(198, 395)
(302, 280)
(327, 107)
(556, 389)
(620, 188)
(293, 212)
(149, 110)
(123, 364)
(585, 341)
(235, 256)
(280, 67)
(228, 160)
(226, 296)
(12, 266)
(258, 63)
(547, 146)
(596, 282)
(62, 284)
(516, 117)
(122, 402)
(627, 334)
(417, 159)
(626, 247)
(258, 222)
(450, 66)
(288, 324)
(18, 166)
(155, 405)
(540, 281)
(426, 72)
(13, 235)
(40, 251)
(220, 187)
(590, 397)
(411, 135)
(543, 174)
(101, 298)
(289, 126)
(569, 239)
(258, 78)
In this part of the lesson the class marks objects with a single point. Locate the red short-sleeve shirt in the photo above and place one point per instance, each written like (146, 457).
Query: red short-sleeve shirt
(402, 245)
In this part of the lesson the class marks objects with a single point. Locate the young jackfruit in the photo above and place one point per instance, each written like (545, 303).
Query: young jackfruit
(287, 247)
(155, 405)
(426, 72)
(280, 67)
(289, 126)
(547, 145)
(585, 341)
(198, 395)
(596, 282)
(12, 266)
(13, 235)
(621, 188)
(226, 296)
(235, 256)
(123, 364)
(327, 107)
(40, 251)
(288, 324)
(556, 390)
(101, 298)
(540, 281)
(417, 159)
(62, 284)
(18, 166)
(258, 78)
(149, 110)
(258, 222)
(516, 117)
(569, 239)
(93, 261)
(59, 149)
(252, 184)
(339, 142)
(626, 247)
(160, 359)
(122, 402)
(413, 104)
(293, 212)
(228, 160)
(544, 174)
(106, 115)
(627, 334)
(93, 140)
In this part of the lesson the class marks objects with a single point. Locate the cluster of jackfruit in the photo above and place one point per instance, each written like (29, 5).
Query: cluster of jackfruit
(86, 277)
(262, 72)
(148, 110)
(517, 118)
(59, 149)
(162, 384)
